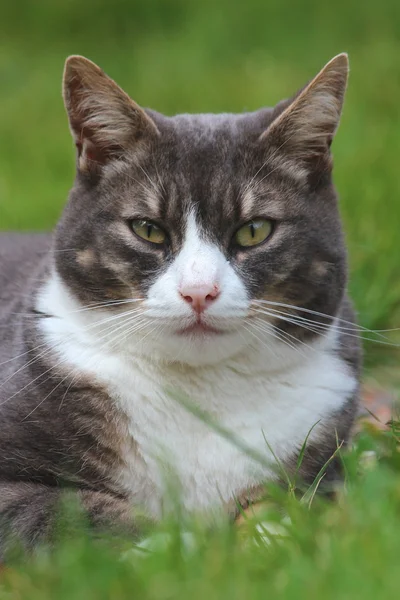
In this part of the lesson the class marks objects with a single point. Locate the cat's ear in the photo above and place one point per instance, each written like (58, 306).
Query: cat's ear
(104, 121)
(304, 130)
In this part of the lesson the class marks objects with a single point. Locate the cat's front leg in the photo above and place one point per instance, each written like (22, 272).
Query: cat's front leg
(29, 513)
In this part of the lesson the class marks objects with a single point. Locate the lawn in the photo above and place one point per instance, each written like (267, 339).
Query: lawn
(221, 55)
(346, 549)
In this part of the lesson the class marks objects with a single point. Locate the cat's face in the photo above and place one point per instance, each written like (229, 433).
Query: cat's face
(196, 231)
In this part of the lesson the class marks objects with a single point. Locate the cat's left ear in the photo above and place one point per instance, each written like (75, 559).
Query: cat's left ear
(304, 130)
(105, 123)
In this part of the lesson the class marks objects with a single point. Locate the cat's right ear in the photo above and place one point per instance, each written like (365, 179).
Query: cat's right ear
(302, 133)
(105, 123)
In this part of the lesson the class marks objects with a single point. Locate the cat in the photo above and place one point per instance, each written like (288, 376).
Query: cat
(198, 254)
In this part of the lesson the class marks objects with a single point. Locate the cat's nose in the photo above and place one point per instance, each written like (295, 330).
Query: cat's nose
(199, 297)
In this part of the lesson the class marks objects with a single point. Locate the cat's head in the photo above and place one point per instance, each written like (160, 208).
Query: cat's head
(197, 232)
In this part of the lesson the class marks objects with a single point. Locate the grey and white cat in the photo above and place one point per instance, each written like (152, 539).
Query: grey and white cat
(198, 253)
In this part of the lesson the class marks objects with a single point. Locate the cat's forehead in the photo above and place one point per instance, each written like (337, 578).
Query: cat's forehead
(202, 127)
(211, 165)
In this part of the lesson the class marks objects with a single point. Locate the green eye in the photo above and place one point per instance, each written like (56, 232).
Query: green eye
(253, 232)
(148, 231)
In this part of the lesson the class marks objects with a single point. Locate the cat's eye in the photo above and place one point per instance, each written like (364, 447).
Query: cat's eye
(148, 231)
(253, 233)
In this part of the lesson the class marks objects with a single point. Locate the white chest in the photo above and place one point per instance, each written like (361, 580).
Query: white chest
(174, 448)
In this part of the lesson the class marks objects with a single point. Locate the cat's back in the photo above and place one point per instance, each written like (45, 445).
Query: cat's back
(20, 256)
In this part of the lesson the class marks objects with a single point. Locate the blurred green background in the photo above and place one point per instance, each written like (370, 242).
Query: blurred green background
(225, 55)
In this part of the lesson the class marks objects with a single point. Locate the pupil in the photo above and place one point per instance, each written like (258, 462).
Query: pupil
(252, 230)
(149, 228)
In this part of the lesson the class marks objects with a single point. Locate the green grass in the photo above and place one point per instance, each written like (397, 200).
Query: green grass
(346, 549)
(186, 55)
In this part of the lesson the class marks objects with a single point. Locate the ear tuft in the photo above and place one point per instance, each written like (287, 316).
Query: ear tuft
(104, 121)
(305, 129)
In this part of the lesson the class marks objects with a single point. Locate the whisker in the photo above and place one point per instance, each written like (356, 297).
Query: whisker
(274, 334)
(159, 178)
(291, 320)
(35, 315)
(28, 364)
(128, 331)
(32, 381)
(51, 348)
(320, 328)
(73, 380)
(298, 318)
(281, 336)
(131, 316)
(269, 348)
(47, 396)
(269, 158)
(320, 314)
(131, 178)
(83, 329)
(105, 305)
(313, 322)
(58, 364)
(155, 188)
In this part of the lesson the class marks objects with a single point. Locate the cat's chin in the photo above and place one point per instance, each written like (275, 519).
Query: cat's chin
(199, 330)
(194, 346)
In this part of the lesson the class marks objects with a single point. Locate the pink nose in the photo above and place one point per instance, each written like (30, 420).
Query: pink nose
(199, 297)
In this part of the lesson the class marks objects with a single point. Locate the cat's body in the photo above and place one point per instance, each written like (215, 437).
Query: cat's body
(99, 326)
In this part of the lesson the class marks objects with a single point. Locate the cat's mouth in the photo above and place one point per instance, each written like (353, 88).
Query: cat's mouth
(199, 328)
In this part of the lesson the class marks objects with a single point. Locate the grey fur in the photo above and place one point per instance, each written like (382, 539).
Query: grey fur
(199, 162)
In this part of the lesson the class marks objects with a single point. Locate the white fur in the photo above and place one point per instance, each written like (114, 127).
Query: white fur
(253, 385)
(198, 263)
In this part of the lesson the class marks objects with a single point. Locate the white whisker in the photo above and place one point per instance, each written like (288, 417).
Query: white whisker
(269, 348)
(155, 188)
(269, 159)
(279, 335)
(319, 328)
(291, 320)
(105, 305)
(284, 336)
(159, 179)
(321, 314)
(51, 348)
(58, 364)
